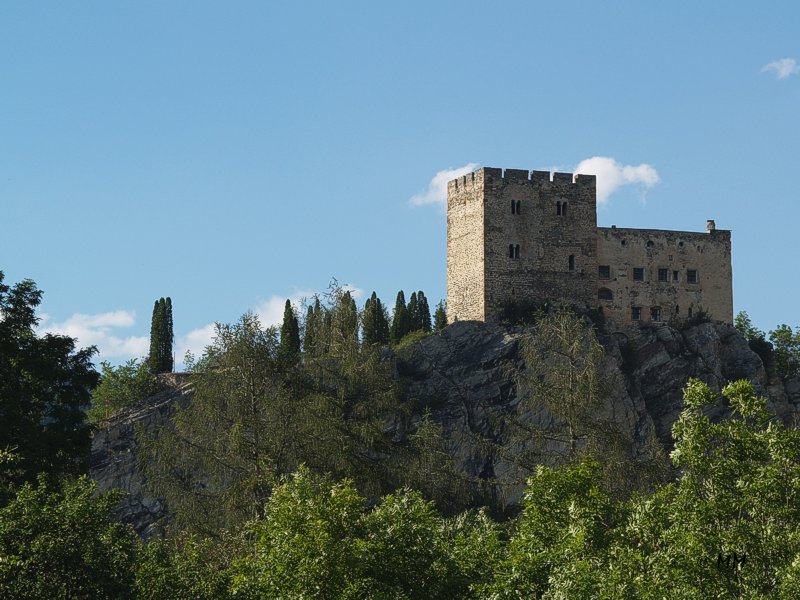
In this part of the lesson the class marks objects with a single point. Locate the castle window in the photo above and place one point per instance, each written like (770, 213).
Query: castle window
(663, 275)
(677, 309)
(691, 276)
(674, 276)
(571, 262)
(511, 251)
(604, 271)
(558, 208)
(519, 206)
(636, 313)
(650, 243)
(638, 273)
(690, 312)
(655, 313)
(513, 207)
(564, 209)
(605, 294)
(516, 251)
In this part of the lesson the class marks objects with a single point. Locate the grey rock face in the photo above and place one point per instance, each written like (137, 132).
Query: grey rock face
(466, 377)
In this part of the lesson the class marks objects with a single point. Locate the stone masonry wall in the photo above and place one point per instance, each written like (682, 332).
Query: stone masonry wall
(465, 234)
(546, 239)
(674, 254)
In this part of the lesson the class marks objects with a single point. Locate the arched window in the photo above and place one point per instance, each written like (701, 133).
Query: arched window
(516, 251)
(511, 251)
(564, 209)
(605, 294)
(558, 208)
(571, 262)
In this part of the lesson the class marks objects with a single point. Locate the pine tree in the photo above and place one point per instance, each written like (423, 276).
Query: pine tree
(423, 313)
(401, 323)
(289, 349)
(167, 339)
(309, 333)
(440, 316)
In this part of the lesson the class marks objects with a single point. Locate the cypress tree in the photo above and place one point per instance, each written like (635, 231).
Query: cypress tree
(310, 331)
(423, 313)
(413, 312)
(401, 324)
(376, 321)
(161, 337)
(289, 349)
(440, 317)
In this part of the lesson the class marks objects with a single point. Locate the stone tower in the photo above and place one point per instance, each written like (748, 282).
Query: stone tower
(517, 236)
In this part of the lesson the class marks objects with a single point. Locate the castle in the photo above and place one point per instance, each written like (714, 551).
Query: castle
(516, 237)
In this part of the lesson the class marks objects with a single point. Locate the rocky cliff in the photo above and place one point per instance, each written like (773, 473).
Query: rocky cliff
(466, 378)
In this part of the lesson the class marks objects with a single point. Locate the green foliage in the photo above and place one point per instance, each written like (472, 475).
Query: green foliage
(313, 342)
(334, 548)
(186, 568)
(745, 326)
(120, 387)
(411, 338)
(64, 544)
(401, 320)
(375, 322)
(786, 350)
(440, 316)
(162, 337)
(289, 350)
(423, 315)
(45, 386)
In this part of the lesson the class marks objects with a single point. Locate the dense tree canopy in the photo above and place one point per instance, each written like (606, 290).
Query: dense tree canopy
(45, 387)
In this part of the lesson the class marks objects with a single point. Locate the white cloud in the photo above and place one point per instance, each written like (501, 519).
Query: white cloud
(782, 68)
(436, 192)
(195, 342)
(611, 175)
(99, 330)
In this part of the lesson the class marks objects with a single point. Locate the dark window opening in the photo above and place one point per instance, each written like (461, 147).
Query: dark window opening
(519, 206)
(571, 262)
(605, 294)
(650, 243)
(516, 251)
(638, 273)
(604, 271)
(655, 313)
(674, 276)
(690, 312)
(691, 276)
(636, 313)
(662, 275)
(564, 209)
(677, 309)
(558, 208)
(511, 251)
(513, 207)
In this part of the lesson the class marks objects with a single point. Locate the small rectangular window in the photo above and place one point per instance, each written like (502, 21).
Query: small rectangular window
(604, 271)
(638, 273)
(663, 275)
(674, 276)
(655, 313)
(691, 276)
(636, 313)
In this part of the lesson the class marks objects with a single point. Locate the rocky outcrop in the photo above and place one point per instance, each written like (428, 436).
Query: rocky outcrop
(466, 378)
(114, 461)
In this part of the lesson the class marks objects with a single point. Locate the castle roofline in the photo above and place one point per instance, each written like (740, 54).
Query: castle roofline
(631, 230)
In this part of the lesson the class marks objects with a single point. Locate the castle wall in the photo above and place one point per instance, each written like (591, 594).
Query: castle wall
(675, 254)
(541, 270)
(465, 256)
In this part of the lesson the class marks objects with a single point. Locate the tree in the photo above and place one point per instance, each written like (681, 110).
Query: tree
(312, 329)
(161, 337)
(45, 387)
(120, 387)
(413, 312)
(375, 322)
(401, 321)
(440, 316)
(423, 313)
(786, 350)
(289, 351)
(65, 544)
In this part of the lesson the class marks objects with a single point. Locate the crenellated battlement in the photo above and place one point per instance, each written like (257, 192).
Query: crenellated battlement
(492, 174)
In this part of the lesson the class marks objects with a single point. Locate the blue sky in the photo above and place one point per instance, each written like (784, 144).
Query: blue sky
(231, 155)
